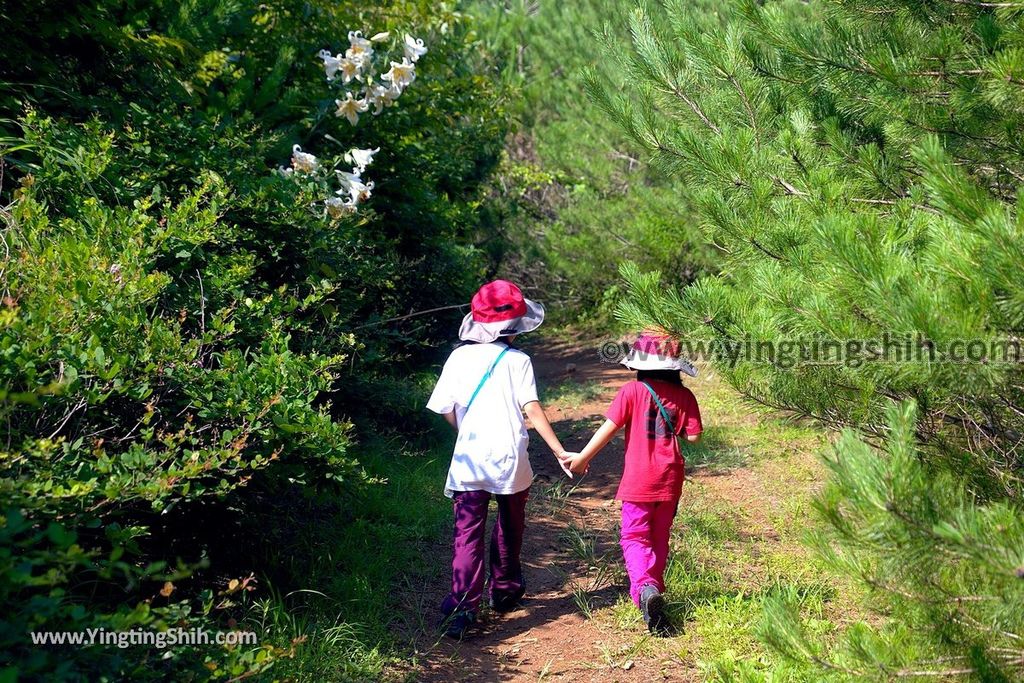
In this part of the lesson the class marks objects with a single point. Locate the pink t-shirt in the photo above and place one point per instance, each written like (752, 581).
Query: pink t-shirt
(654, 467)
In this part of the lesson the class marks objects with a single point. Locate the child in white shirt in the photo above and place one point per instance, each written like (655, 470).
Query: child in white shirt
(484, 389)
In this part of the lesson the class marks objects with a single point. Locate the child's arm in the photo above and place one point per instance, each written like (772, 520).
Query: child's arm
(602, 436)
(450, 418)
(535, 411)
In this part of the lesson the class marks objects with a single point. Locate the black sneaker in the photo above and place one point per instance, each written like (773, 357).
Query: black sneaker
(507, 602)
(652, 604)
(457, 623)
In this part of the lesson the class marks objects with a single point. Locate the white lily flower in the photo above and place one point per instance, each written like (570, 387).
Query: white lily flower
(391, 95)
(338, 207)
(378, 37)
(375, 96)
(414, 48)
(361, 49)
(331, 64)
(360, 159)
(303, 162)
(362, 194)
(350, 108)
(350, 69)
(402, 74)
(352, 184)
(347, 180)
(381, 95)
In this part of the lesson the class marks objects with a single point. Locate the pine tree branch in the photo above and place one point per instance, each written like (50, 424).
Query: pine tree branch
(960, 617)
(987, 141)
(764, 250)
(675, 90)
(761, 71)
(825, 664)
(791, 190)
(867, 70)
(713, 324)
(893, 202)
(884, 587)
(621, 239)
(748, 107)
(410, 315)
(944, 74)
(997, 5)
(968, 620)
(1013, 658)
(907, 673)
(1005, 401)
(833, 422)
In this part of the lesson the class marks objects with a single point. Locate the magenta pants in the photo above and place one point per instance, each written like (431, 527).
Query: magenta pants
(468, 555)
(645, 531)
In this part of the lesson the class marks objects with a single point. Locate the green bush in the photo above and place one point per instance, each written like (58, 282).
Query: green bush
(184, 332)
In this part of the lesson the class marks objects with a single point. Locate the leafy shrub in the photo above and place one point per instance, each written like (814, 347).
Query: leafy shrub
(182, 329)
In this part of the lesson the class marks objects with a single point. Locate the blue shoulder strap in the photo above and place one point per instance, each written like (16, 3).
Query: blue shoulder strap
(661, 407)
(486, 376)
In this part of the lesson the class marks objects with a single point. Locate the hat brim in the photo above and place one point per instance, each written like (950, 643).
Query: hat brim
(474, 331)
(649, 361)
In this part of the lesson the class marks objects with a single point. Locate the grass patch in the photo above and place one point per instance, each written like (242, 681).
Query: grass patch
(781, 437)
(691, 584)
(365, 562)
(571, 394)
(579, 430)
(724, 626)
(620, 656)
(703, 525)
(581, 543)
(624, 615)
(713, 455)
(597, 572)
(552, 497)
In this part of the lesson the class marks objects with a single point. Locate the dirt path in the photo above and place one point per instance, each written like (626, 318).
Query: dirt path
(571, 555)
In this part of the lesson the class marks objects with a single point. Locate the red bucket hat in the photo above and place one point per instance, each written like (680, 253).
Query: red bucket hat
(658, 351)
(499, 309)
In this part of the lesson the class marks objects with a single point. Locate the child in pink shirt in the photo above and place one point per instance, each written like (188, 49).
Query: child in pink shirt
(654, 409)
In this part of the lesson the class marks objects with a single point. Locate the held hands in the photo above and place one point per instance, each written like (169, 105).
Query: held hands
(579, 464)
(573, 463)
(564, 458)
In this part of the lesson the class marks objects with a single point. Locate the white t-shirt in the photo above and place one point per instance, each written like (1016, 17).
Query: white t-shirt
(490, 450)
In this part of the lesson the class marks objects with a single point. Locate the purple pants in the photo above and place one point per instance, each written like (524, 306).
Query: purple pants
(468, 556)
(645, 531)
